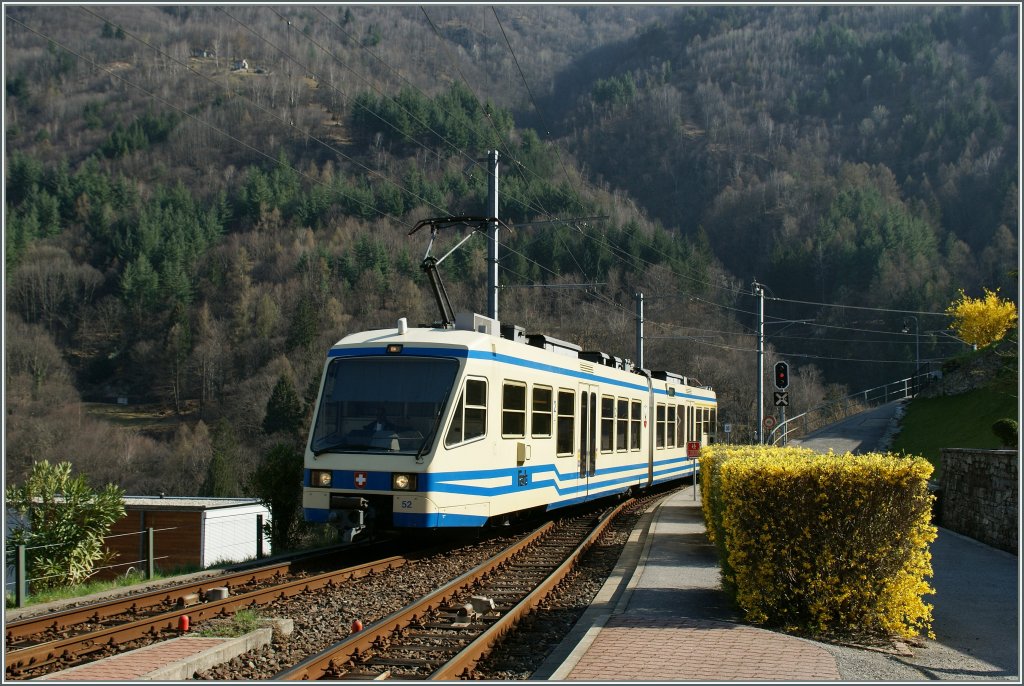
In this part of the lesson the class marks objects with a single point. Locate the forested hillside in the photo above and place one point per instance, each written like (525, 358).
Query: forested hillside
(200, 200)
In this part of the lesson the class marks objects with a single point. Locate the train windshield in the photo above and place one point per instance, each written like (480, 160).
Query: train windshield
(382, 404)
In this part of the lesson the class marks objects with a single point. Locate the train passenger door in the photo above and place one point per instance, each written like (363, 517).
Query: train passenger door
(588, 436)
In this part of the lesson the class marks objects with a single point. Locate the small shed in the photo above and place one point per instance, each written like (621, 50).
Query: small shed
(189, 533)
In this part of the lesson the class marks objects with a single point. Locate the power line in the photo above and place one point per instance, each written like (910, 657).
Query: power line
(529, 203)
(533, 100)
(448, 142)
(858, 307)
(601, 241)
(780, 353)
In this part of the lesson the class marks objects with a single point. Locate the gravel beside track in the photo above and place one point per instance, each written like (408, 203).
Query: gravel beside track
(326, 619)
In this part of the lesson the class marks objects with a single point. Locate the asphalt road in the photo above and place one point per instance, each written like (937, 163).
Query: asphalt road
(865, 432)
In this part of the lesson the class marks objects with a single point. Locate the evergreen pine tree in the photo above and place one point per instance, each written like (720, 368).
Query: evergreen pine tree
(221, 475)
(277, 482)
(285, 412)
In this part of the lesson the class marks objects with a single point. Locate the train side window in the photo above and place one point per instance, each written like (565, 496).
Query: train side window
(659, 427)
(634, 425)
(607, 423)
(469, 420)
(566, 422)
(621, 424)
(541, 418)
(680, 423)
(513, 409)
(670, 426)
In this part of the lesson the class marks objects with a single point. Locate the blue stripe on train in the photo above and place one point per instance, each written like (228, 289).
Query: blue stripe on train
(543, 476)
(443, 520)
(436, 520)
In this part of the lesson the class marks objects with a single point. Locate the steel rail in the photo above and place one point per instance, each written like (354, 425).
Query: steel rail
(98, 611)
(169, 593)
(70, 650)
(328, 661)
(341, 657)
(462, 665)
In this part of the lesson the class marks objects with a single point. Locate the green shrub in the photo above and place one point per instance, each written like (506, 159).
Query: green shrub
(1006, 430)
(826, 544)
(63, 523)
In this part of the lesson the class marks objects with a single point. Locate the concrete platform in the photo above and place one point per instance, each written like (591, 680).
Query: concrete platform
(173, 660)
(662, 616)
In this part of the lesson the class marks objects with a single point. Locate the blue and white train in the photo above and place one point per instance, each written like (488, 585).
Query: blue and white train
(473, 424)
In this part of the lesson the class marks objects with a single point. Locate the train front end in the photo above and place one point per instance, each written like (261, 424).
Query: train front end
(382, 399)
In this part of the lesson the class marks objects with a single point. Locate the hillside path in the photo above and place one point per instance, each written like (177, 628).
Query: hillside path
(864, 432)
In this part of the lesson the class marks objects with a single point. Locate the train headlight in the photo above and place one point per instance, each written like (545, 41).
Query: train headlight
(320, 478)
(403, 482)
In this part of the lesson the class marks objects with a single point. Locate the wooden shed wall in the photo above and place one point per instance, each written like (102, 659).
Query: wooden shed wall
(179, 546)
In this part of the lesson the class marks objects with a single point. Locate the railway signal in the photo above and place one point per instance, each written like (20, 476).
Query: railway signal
(782, 375)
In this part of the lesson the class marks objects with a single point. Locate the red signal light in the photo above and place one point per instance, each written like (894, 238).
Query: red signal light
(782, 375)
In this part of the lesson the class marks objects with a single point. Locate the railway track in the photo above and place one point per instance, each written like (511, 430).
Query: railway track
(322, 605)
(445, 634)
(74, 636)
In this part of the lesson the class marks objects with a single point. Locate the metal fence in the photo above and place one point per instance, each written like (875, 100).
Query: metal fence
(841, 408)
(16, 562)
(16, 559)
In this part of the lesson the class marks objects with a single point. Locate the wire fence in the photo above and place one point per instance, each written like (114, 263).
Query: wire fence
(18, 558)
(16, 562)
(841, 408)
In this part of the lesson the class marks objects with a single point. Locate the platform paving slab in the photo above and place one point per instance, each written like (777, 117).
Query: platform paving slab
(662, 615)
(174, 660)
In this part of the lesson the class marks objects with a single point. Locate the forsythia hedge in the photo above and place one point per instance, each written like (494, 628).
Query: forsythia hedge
(833, 544)
(980, 321)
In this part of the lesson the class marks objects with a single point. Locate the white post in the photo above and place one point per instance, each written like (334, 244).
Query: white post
(759, 292)
(492, 235)
(639, 330)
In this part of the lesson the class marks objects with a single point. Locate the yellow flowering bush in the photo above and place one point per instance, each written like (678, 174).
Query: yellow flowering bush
(980, 321)
(828, 544)
(712, 457)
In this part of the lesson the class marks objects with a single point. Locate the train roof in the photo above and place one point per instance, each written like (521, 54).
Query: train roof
(474, 331)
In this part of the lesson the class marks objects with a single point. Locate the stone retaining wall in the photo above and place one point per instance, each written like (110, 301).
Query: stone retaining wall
(978, 492)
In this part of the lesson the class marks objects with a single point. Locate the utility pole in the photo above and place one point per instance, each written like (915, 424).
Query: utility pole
(492, 234)
(639, 330)
(759, 292)
(917, 346)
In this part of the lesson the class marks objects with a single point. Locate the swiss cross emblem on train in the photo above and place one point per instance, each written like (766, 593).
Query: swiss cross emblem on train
(360, 479)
